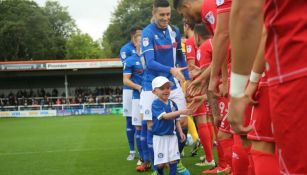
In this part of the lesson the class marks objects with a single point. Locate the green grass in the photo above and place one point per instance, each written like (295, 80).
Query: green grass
(90, 145)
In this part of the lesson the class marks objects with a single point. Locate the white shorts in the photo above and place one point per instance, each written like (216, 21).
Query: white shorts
(165, 149)
(136, 116)
(141, 101)
(147, 97)
(127, 102)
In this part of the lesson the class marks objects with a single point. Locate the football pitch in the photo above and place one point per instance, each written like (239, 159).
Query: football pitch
(74, 145)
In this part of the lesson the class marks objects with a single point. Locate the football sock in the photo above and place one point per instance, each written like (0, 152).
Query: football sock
(240, 161)
(150, 145)
(138, 143)
(144, 141)
(205, 140)
(227, 144)
(172, 168)
(130, 131)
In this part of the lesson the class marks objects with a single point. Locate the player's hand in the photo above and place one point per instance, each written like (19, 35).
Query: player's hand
(213, 85)
(223, 89)
(182, 136)
(177, 73)
(196, 87)
(196, 102)
(251, 91)
(194, 71)
(186, 111)
(237, 108)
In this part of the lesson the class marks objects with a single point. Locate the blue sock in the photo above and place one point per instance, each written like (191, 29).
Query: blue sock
(138, 143)
(172, 168)
(150, 146)
(181, 144)
(159, 170)
(144, 141)
(130, 131)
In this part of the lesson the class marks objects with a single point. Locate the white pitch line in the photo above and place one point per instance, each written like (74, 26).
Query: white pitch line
(59, 151)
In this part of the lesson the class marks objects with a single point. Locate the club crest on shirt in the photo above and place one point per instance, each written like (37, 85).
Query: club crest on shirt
(210, 17)
(198, 55)
(156, 37)
(189, 48)
(123, 55)
(173, 34)
(160, 155)
(133, 51)
(219, 2)
(137, 63)
(145, 42)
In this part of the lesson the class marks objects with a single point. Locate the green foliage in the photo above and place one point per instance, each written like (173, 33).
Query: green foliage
(82, 46)
(129, 13)
(30, 32)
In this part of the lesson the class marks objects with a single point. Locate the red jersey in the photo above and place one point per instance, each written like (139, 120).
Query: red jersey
(223, 6)
(204, 54)
(286, 53)
(208, 14)
(190, 48)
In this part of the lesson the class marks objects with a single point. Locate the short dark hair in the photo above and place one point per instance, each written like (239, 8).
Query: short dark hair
(177, 3)
(189, 23)
(201, 30)
(160, 3)
(134, 29)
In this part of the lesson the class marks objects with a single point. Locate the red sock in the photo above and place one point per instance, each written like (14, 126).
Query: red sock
(265, 163)
(251, 168)
(240, 160)
(211, 130)
(220, 154)
(227, 144)
(204, 136)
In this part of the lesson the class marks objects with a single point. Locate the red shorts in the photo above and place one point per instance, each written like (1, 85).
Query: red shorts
(201, 110)
(208, 108)
(261, 118)
(223, 103)
(223, 6)
(247, 117)
(288, 107)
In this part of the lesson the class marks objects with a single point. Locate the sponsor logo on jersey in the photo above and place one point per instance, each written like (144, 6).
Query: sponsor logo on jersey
(145, 42)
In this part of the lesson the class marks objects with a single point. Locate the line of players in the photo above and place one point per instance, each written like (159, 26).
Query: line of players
(240, 150)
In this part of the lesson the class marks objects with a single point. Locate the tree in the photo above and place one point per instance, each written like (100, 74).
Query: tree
(129, 13)
(30, 32)
(82, 46)
(24, 31)
(62, 24)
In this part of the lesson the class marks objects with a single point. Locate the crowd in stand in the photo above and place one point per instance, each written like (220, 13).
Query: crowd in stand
(54, 97)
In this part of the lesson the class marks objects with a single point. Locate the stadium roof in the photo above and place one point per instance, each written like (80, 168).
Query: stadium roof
(60, 64)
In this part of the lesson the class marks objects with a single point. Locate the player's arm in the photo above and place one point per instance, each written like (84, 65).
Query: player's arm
(220, 43)
(126, 78)
(179, 129)
(123, 54)
(246, 23)
(180, 56)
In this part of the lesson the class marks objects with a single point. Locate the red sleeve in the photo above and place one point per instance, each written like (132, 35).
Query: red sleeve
(190, 49)
(206, 53)
(208, 14)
